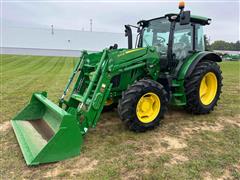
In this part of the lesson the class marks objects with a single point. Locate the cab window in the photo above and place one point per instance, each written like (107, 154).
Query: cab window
(182, 42)
(157, 34)
(200, 46)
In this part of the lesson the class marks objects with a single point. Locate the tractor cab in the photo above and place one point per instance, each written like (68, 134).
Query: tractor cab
(184, 38)
(175, 36)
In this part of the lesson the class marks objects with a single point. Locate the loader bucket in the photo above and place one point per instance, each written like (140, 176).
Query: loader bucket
(45, 132)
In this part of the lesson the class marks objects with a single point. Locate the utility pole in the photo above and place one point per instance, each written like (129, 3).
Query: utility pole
(90, 25)
(52, 29)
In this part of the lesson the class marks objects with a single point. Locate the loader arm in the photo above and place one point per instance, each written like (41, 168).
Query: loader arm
(94, 84)
(92, 100)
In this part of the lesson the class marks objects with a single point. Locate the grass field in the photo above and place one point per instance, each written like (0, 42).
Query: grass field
(183, 147)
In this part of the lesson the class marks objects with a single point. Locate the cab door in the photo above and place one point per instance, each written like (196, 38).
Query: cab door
(182, 41)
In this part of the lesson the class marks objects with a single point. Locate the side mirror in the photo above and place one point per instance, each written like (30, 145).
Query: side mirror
(184, 17)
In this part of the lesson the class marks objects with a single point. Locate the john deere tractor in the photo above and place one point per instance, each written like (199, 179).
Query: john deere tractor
(168, 66)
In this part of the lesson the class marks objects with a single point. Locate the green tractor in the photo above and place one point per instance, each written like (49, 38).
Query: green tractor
(168, 66)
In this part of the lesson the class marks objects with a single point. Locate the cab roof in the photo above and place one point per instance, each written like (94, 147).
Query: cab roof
(194, 18)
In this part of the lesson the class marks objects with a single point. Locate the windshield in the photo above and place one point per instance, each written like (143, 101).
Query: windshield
(157, 34)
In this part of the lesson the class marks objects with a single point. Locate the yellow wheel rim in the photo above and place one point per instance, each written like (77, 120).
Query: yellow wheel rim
(208, 88)
(148, 107)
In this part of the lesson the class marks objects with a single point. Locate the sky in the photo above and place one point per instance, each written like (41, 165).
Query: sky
(111, 16)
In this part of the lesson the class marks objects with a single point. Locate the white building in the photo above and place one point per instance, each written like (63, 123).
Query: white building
(36, 41)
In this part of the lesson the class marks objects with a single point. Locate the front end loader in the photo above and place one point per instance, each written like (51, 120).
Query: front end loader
(168, 66)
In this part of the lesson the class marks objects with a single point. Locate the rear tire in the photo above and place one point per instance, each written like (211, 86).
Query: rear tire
(203, 87)
(131, 105)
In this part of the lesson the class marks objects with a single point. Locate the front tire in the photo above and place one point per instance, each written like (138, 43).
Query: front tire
(143, 105)
(203, 87)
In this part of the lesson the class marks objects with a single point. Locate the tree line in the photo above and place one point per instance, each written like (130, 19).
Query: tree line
(221, 45)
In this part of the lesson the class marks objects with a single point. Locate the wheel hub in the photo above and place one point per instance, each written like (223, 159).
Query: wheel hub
(148, 107)
(208, 88)
(145, 106)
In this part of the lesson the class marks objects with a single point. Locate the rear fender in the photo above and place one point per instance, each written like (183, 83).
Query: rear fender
(190, 64)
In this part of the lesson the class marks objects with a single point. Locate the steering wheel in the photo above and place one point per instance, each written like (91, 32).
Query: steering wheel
(159, 44)
(160, 39)
(179, 45)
